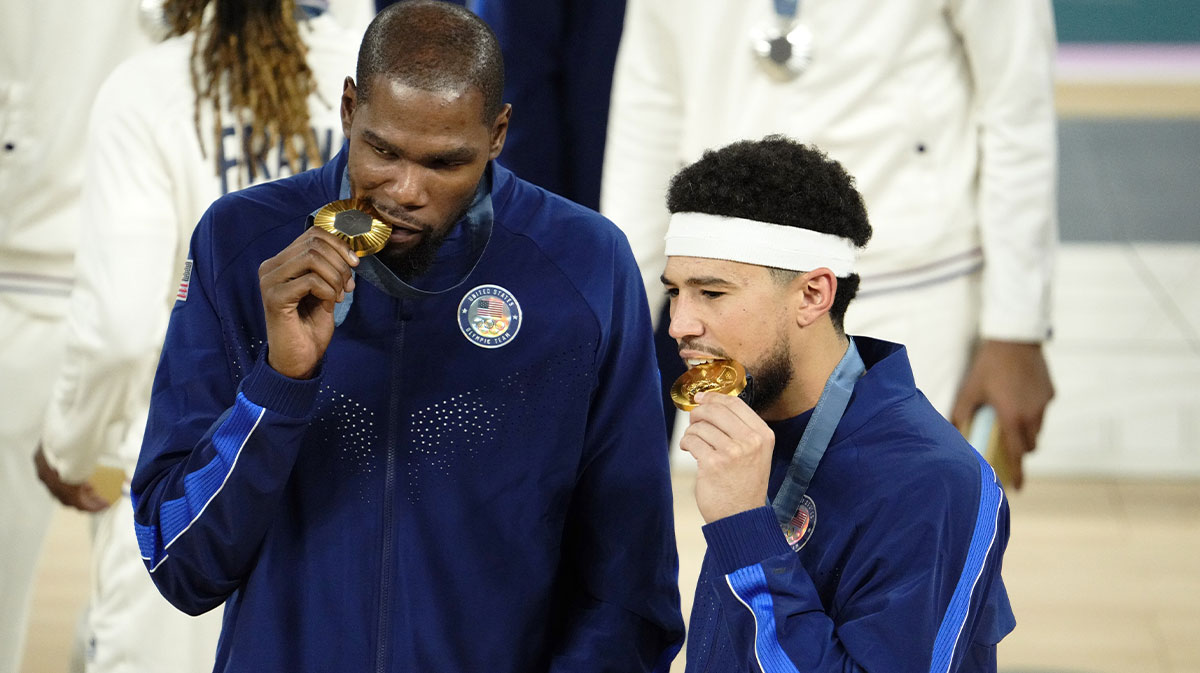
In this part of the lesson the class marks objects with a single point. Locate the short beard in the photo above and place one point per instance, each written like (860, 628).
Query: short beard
(417, 260)
(771, 378)
(414, 262)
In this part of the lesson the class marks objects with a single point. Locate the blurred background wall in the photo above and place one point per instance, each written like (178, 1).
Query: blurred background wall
(1126, 351)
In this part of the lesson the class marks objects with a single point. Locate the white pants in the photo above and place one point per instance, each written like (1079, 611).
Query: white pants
(31, 348)
(937, 323)
(131, 628)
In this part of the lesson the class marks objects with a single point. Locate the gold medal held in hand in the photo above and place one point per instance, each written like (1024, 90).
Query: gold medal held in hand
(352, 221)
(719, 376)
(107, 482)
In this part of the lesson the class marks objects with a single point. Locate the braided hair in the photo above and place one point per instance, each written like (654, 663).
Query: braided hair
(250, 51)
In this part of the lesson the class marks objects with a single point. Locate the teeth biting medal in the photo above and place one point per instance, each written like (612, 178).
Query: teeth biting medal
(353, 221)
(727, 377)
(692, 234)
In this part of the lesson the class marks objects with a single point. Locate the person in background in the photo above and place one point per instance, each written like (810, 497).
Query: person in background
(241, 93)
(944, 113)
(53, 57)
(560, 58)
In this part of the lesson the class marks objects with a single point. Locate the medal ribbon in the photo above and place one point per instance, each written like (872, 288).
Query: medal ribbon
(312, 8)
(787, 9)
(815, 440)
(477, 223)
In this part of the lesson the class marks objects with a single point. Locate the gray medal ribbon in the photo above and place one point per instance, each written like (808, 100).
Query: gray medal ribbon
(815, 440)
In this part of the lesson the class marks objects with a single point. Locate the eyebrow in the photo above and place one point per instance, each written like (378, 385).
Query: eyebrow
(454, 154)
(376, 139)
(707, 281)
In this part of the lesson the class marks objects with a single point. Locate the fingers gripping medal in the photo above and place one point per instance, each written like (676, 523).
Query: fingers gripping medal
(352, 221)
(727, 377)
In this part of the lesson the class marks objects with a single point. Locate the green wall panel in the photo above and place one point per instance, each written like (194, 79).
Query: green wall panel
(1127, 20)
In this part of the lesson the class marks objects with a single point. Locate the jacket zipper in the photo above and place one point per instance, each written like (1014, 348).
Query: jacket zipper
(389, 490)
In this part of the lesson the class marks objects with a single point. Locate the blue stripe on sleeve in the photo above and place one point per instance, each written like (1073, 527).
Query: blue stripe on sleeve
(200, 487)
(982, 540)
(749, 586)
(147, 539)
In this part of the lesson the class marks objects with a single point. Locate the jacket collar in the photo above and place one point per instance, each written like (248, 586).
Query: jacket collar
(329, 175)
(889, 380)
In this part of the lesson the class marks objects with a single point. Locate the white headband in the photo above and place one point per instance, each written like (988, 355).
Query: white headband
(759, 243)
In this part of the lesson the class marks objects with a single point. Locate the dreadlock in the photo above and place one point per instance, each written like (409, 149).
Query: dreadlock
(252, 49)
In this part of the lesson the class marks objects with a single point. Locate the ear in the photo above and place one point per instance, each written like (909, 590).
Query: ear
(349, 103)
(813, 293)
(500, 131)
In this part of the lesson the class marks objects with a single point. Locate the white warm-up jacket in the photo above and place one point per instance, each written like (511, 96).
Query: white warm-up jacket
(53, 57)
(148, 181)
(941, 109)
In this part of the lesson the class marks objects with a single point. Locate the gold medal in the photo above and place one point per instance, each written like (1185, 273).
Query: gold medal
(107, 482)
(351, 220)
(719, 376)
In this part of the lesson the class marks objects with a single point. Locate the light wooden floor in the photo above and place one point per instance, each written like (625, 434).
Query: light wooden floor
(1104, 576)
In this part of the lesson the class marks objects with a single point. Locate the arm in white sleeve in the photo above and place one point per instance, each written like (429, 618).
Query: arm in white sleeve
(125, 269)
(1010, 50)
(644, 130)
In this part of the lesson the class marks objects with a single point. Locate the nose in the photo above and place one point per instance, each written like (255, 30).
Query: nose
(407, 186)
(684, 322)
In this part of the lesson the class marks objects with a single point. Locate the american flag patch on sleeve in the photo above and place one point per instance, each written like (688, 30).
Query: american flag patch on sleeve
(184, 282)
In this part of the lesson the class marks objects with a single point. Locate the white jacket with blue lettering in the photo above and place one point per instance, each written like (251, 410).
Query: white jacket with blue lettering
(149, 179)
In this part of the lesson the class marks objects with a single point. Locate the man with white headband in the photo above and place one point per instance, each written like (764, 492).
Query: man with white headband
(849, 525)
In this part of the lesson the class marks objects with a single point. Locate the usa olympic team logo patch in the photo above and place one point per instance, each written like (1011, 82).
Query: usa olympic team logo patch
(489, 316)
(799, 530)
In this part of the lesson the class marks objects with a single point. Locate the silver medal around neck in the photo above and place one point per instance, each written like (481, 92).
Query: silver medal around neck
(783, 48)
(152, 16)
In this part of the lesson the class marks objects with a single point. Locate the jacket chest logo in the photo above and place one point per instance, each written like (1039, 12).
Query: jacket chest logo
(799, 530)
(489, 316)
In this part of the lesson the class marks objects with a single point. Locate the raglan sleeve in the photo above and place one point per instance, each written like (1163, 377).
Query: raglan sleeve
(1009, 48)
(645, 131)
(620, 538)
(217, 453)
(923, 596)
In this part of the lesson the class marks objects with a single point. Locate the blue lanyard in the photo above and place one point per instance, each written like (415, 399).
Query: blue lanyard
(313, 8)
(787, 9)
(815, 440)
